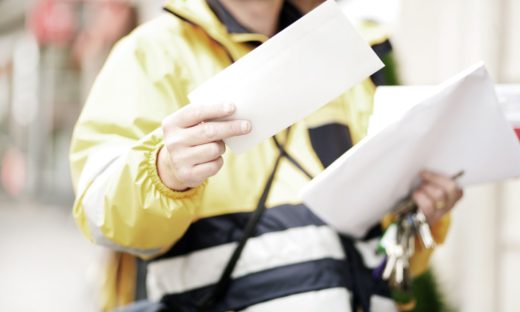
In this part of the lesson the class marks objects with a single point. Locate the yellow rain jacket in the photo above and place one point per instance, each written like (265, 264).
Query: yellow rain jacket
(120, 200)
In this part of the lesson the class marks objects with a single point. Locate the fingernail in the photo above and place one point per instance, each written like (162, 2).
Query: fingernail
(245, 126)
(229, 108)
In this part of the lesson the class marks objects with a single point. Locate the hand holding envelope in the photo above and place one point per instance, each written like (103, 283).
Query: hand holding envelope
(458, 127)
(294, 73)
(291, 75)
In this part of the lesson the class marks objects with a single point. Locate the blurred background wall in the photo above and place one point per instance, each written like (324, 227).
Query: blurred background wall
(50, 52)
(479, 267)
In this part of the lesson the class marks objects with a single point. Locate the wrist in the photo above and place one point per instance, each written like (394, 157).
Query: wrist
(166, 171)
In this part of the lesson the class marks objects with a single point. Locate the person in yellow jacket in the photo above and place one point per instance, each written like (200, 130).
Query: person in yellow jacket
(153, 178)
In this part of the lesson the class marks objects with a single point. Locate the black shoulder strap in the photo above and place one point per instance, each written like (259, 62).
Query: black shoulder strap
(224, 281)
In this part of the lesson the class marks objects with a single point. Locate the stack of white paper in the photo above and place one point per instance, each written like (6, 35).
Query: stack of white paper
(391, 102)
(509, 97)
(460, 127)
(300, 69)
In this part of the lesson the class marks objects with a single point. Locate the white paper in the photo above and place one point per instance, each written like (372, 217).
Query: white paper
(459, 127)
(291, 75)
(391, 102)
(509, 97)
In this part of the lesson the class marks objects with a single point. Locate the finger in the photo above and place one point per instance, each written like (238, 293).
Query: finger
(203, 171)
(425, 205)
(193, 114)
(216, 131)
(437, 194)
(452, 189)
(200, 154)
(447, 183)
(459, 193)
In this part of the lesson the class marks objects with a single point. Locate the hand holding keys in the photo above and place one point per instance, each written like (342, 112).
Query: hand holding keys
(398, 241)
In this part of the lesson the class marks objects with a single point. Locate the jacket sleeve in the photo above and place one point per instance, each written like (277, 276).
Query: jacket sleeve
(120, 201)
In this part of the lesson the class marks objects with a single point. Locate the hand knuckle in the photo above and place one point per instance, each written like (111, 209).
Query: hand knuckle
(177, 159)
(427, 206)
(208, 130)
(184, 174)
(167, 123)
(196, 113)
(215, 166)
(168, 142)
(215, 150)
(212, 168)
(172, 143)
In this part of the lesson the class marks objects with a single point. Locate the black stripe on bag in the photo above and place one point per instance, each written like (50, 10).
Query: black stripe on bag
(365, 285)
(223, 229)
(270, 284)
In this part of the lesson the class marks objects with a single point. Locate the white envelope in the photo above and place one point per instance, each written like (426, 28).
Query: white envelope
(292, 74)
(459, 127)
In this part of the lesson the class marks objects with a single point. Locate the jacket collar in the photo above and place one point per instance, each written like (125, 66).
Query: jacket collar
(216, 20)
(199, 13)
(232, 25)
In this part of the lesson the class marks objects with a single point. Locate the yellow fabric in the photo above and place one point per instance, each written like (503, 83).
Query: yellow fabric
(118, 284)
(147, 77)
(373, 32)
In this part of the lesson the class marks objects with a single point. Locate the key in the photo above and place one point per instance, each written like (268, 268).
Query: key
(423, 230)
(409, 235)
(410, 250)
(389, 238)
(399, 271)
(411, 245)
(393, 254)
(385, 245)
(394, 248)
(406, 238)
(406, 276)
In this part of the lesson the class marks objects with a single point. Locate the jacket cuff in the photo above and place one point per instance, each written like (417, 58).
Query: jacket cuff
(160, 186)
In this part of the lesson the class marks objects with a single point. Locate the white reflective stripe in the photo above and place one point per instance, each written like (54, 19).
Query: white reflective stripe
(94, 198)
(382, 304)
(100, 239)
(368, 252)
(98, 160)
(94, 205)
(201, 268)
(330, 300)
